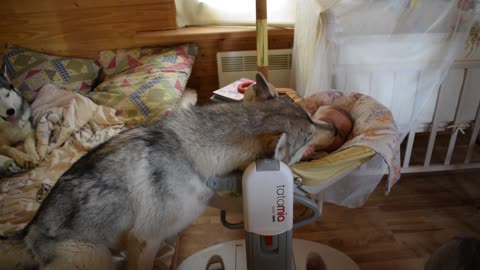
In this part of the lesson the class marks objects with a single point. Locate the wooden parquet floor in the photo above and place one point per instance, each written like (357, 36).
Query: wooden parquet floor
(398, 232)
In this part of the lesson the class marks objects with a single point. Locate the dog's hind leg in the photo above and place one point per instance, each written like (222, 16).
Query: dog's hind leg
(141, 252)
(73, 254)
(15, 255)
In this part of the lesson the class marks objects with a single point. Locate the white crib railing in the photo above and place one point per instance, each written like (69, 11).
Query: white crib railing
(464, 122)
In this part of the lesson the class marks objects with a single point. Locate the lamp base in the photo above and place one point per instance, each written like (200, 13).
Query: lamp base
(233, 254)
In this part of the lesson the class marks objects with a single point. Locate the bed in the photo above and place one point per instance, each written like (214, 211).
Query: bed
(79, 103)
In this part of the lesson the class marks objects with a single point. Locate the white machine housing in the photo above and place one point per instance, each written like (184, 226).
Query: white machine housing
(267, 187)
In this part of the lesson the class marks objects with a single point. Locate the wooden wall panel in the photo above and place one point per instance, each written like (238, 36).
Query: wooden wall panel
(81, 28)
(32, 6)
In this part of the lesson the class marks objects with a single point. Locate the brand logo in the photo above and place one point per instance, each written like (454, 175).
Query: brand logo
(280, 204)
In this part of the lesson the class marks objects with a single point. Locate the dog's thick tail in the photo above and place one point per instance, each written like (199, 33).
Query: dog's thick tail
(14, 253)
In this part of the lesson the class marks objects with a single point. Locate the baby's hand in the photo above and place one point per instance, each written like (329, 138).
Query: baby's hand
(309, 152)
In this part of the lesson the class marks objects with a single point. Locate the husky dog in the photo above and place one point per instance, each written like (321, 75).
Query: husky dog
(15, 126)
(149, 182)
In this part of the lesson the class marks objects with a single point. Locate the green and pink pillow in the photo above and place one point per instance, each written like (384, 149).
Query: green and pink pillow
(30, 70)
(142, 83)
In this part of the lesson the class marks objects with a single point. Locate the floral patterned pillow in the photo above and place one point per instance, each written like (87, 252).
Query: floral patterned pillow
(141, 84)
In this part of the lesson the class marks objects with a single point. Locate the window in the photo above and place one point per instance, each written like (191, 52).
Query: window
(233, 12)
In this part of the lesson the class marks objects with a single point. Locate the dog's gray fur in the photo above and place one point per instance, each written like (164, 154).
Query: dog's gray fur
(458, 253)
(16, 127)
(148, 183)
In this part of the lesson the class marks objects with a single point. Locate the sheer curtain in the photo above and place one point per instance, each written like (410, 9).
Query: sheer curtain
(233, 12)
(397, 51)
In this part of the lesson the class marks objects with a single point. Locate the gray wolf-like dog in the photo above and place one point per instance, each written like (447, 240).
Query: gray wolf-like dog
(15, 126)
(149, 182)
(458, 253)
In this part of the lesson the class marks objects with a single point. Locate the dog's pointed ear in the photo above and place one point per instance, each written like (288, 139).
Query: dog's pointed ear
(5, 75)
(262, 89)
(281, 148)
(4, 81)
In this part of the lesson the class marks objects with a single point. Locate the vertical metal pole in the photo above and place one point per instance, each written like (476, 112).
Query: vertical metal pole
(262, 37)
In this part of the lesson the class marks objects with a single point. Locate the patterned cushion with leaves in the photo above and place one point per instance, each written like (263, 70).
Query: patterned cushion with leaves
(30, 70)
(141, 84)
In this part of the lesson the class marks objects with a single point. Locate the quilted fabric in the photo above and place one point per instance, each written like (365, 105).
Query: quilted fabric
(30, 70)
(141, 84)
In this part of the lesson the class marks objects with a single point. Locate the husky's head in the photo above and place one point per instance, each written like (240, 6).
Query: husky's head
(297, 130)
(10, 102)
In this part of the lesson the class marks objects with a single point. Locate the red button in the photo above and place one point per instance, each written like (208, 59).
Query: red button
(268, 239)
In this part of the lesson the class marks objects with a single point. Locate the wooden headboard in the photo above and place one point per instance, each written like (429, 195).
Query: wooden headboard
(82, 28)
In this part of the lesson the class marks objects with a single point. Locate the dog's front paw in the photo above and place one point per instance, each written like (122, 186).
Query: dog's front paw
(25, 161)
(34, 157)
